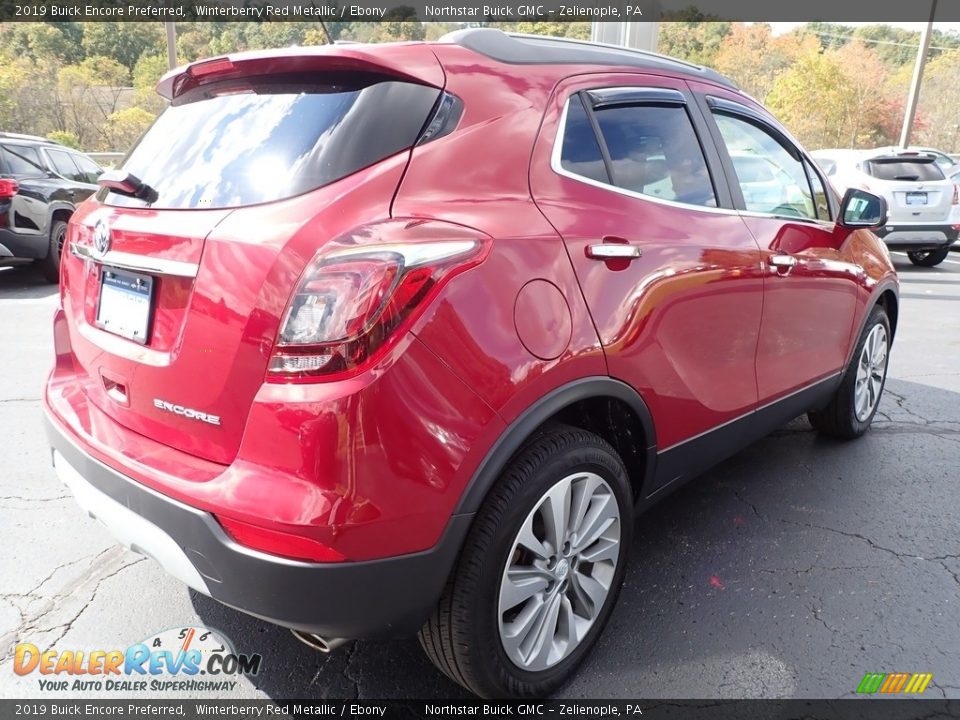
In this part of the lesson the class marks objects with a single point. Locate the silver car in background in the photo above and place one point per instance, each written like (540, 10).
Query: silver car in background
(920, 198)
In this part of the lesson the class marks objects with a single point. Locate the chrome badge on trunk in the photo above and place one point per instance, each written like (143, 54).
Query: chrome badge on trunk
(185, 412)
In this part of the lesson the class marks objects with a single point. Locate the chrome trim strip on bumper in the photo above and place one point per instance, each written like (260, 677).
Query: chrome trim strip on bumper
(136, 263)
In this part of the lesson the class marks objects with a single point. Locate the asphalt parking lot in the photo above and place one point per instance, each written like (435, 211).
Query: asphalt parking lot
(789, 571)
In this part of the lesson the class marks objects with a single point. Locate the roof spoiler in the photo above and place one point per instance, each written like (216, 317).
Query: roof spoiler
(412, 62)
(906, 157)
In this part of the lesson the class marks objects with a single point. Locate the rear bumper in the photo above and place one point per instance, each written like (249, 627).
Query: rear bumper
(393, 596)
(17, 245)
(917, 237)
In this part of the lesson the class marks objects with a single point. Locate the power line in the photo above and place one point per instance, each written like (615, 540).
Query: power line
(876, 42)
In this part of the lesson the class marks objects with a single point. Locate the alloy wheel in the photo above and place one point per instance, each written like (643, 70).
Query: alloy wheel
(871, 370)
(559, 571)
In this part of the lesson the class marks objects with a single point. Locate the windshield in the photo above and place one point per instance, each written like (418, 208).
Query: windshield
(267, 142)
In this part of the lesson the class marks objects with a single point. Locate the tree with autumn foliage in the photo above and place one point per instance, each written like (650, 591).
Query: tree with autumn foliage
(753, 57)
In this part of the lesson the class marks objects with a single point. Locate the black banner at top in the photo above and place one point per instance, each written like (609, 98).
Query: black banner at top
(477, 10)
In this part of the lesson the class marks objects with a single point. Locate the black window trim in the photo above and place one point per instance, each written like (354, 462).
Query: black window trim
(712, 160)
(602, 98)
(713, 104)
(53, 167)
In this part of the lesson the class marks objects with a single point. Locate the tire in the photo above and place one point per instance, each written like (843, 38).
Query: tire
(464, 636)
(928, 258)
(50, 265)
(844, 417)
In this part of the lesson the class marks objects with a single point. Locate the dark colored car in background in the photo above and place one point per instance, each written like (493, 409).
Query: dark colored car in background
(366, 340)
(41, 184)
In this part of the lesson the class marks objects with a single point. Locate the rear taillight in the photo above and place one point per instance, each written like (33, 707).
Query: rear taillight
(8, 188)
(357, 297)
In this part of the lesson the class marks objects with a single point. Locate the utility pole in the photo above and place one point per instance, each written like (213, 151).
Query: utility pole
(171, 45)
(915, 83)
(640, 35)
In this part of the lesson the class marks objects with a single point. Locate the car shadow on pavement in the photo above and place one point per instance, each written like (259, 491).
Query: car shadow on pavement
(782, 572)
(25, 282)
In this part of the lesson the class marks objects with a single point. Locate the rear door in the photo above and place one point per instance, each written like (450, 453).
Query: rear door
(811, 289)
(669, 271)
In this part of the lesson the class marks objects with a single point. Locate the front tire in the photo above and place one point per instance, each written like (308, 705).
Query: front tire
(540, 571)
(50, 265)
(853, 406)
(928, 258)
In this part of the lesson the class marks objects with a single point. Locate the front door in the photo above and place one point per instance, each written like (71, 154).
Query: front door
(811, 290)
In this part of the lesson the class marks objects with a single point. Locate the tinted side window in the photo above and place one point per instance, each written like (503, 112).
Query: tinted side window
(581, 153)
(90, 170)
(654, 151)
(23, 160)
(64, 166)
(771, 179)
(820, 198)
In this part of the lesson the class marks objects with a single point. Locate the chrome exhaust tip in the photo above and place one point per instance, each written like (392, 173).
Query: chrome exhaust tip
(321, 644)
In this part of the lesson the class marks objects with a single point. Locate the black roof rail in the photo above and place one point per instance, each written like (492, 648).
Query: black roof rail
(518, 49)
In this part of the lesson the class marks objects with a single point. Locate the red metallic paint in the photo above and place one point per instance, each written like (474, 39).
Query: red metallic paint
(374, 465)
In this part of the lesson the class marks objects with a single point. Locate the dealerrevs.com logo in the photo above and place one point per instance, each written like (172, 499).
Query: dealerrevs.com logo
(190, 659)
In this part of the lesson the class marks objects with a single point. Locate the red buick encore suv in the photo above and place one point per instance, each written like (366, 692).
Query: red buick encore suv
(370, 340)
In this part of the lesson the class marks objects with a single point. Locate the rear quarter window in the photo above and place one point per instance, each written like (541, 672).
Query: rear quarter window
(22, 160)
(270, 140)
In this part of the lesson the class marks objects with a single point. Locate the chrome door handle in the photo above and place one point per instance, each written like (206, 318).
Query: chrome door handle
(782, 262)
(613, 251)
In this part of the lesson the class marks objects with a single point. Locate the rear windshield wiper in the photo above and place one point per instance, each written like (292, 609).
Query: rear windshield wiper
(122, 182)
(906, 177)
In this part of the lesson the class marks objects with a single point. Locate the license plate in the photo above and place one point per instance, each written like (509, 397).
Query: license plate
(916, 198)
(125, 307)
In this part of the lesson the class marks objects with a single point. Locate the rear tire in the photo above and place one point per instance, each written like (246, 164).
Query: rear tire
(855, 402)
(928, 258)
(50, 265)
(515, 621)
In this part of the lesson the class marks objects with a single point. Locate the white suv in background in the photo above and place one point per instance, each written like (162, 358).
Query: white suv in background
(920, 199)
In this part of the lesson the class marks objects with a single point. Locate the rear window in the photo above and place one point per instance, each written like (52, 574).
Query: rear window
(909, 170)
(269, 141)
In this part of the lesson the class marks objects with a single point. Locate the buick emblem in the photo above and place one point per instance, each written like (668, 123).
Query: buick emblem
(101, 238)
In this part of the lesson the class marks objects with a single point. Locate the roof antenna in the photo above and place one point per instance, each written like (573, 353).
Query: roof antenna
(326, 32)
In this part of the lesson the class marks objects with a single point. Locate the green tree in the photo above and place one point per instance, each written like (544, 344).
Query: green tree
(65, 138)
(124, 127)
(811, 99)
(693, 41)
(124, 42)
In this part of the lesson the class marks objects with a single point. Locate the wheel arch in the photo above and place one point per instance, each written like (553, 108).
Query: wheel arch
(890, 302)
(608, 407)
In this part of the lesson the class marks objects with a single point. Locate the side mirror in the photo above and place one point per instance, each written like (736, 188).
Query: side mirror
(861, 209)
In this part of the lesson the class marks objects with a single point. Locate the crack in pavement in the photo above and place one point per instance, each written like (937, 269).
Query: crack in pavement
(84, 588)
(804, 571)
(34, 499)
(348, 665)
